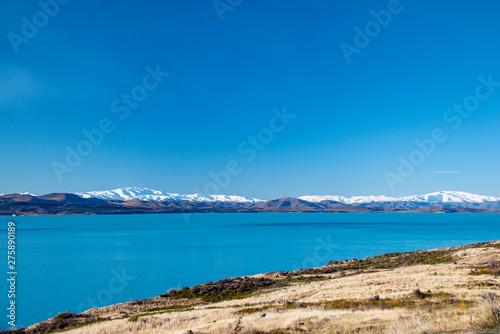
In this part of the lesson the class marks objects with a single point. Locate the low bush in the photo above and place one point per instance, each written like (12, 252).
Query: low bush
(133, 318)
(226, 289)
(489, 311)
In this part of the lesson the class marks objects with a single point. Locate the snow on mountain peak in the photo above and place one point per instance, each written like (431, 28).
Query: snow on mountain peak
(147, 194)
(436, 197)
(451, 197)
(27, 193)
(349, 200)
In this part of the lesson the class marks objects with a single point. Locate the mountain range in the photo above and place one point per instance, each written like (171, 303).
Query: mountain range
(145, 200)
(146, 194)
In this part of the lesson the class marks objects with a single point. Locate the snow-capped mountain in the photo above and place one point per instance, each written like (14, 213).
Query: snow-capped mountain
(349, 200)
(25, 193)
(451, 197)
(436, 197)
(146, 194)
(151, 195)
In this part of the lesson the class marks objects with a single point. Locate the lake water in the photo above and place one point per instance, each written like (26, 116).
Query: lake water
(75, 262)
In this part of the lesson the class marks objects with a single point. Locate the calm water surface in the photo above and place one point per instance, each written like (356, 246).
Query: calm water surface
(75, 262)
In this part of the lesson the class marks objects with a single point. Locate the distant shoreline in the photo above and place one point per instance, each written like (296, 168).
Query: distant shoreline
(230, 212)
(71, 204)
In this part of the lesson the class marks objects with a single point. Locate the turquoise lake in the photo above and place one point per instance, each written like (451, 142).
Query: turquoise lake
(72, 263)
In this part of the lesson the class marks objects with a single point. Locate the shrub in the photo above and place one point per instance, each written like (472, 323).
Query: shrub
(225, 289)
(418, 294)
(64, 315)
(237, 328)
(493, 264)
(133, 318)
(489, 310)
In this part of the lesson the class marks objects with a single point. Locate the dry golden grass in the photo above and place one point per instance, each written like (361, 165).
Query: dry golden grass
(452, 307)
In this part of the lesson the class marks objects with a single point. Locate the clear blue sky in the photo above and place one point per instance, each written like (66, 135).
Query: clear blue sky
(353, 120)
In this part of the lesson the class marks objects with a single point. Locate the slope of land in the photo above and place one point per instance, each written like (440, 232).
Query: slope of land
(449, 290)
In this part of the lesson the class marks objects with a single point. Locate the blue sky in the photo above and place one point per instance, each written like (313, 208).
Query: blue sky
(353, 123)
